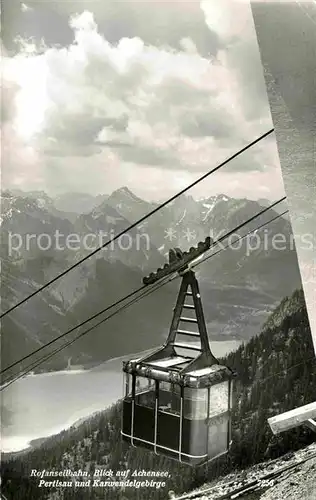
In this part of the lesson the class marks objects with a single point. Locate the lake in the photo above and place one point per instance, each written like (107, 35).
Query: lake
(41, 405)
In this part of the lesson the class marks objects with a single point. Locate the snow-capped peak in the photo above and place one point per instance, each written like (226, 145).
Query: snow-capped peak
(209, 207)
(125, 192)
(211, 202)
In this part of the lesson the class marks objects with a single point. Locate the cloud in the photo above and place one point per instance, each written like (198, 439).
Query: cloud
(135, 105)
(25, 7)
(233, 22)
(8, 106)
(170, 22)
(22, 165)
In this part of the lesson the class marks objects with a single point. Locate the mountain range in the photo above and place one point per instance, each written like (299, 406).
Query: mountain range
(239, 287)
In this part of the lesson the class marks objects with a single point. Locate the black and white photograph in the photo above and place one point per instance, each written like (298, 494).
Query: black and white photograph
(158, 280)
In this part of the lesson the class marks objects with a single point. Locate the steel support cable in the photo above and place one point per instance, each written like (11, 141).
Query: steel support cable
(227, 235)
(135, 224)
(241, 238)
(37, 363)
(50, 355)
(158, 285)
(134, 292)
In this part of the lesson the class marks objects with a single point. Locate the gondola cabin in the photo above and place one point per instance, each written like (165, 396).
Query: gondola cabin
(178, 399)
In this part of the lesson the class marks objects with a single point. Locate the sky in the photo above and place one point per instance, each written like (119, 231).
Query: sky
(150, 95)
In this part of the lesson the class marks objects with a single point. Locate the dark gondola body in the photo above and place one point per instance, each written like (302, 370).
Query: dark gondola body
(175, 403)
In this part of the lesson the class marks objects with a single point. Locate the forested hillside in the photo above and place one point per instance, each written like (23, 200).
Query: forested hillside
(276, 372)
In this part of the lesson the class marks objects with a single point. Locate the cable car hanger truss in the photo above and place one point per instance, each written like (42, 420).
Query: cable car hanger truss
(181, 263)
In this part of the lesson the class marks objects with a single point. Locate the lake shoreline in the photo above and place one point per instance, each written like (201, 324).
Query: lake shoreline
(41, 405)
(80, 368)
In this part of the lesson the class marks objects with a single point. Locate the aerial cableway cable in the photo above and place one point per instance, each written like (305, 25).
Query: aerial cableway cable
(37, 363)
(214, 243)
(158, 285)
(96, 315)
(241, 238)
(135, 224)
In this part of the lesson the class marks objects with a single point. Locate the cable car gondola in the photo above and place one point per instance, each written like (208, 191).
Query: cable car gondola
(176, 403)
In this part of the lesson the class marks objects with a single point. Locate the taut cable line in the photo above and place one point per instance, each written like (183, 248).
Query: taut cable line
(134, 292)
(135, 224)
(152, 289)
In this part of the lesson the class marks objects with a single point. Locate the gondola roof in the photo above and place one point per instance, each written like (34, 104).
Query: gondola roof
(170, 370)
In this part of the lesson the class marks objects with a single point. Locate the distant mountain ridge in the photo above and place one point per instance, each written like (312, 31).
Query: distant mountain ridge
(238, 290)
(78, 203)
